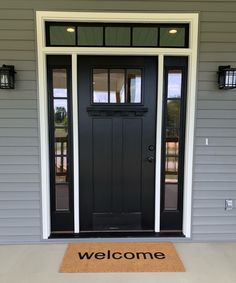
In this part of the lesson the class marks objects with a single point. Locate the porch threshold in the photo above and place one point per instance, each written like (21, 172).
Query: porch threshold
(113, 234)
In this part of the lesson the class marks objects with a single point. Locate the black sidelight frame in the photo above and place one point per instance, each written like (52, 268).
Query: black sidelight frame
(172, 220)
(61, 220)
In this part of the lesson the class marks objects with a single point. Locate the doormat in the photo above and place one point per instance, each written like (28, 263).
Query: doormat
(121, 257)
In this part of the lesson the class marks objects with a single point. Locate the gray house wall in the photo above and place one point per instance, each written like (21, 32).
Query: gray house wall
(214, 165)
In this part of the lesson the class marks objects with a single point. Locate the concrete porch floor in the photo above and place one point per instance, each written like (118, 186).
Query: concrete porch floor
(204, 262)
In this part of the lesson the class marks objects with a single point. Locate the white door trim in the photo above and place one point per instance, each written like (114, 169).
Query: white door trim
(191, 52)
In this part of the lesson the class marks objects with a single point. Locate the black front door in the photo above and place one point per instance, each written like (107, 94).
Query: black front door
(117, 121)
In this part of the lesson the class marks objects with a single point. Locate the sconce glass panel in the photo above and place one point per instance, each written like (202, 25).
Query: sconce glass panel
(226, 77)
(7, 77)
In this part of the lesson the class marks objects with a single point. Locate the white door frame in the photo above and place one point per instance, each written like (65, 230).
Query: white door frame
(191, 52)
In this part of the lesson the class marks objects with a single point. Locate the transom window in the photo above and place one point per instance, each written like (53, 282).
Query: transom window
(117, 35)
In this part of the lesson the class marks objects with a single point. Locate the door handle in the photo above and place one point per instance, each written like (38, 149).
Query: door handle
(150, 159)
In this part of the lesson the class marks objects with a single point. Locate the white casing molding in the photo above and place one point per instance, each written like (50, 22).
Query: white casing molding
(191, 52)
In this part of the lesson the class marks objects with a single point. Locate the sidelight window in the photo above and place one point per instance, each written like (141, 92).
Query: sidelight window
(60, 141)
(173, 138)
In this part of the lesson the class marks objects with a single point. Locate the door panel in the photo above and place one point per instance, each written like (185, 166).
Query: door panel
(117, 179)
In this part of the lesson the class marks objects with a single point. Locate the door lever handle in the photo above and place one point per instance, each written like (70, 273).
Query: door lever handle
(150, 159)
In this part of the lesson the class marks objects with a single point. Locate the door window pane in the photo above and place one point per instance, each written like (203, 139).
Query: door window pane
(145, 36)
(134, 86)
(117, 86)
(62, 35)
(100, 86)
(125, 86)
(172, 37)
(90, 36)
(117, 36)
(174, 84)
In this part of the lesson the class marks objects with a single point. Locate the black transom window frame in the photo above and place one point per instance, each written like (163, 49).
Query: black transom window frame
(129, 25)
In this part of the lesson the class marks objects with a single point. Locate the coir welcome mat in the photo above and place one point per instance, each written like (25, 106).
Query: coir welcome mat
(121, 257)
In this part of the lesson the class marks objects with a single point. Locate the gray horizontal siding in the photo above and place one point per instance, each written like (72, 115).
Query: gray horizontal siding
(16, 35)
(214, 165)
(20, 196)
(20, 187)
(129, 5)
(214, 178)
(16, 214)
(25, 45)
(18, 103)
(18, 205)
(19, 160)
(219, 160)
(214, 169)
(19, 141)
(16, 24)
(16, 169)
(212, 213)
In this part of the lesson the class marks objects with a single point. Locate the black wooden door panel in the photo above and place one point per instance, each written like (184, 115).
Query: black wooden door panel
(116, 178)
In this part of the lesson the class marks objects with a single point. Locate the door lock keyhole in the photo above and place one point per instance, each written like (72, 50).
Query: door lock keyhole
(151, 147)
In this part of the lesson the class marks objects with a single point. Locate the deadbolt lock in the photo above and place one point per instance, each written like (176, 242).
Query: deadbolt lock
(151, 147)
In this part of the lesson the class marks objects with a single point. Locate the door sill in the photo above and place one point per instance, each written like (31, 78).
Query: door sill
(117, 234)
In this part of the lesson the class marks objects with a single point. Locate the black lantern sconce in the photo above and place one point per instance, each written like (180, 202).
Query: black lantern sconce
(226, 77)
(7, 77)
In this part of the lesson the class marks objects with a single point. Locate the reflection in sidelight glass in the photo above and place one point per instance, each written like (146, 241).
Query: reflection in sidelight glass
(173, 114)
(100, 85)
(59, 81)
(174, 84)
(171, 162)
(61, 146)
(61, 133)
(61, 164)
(171, 196)
(62, 197)
(117, 86)
(134, 86)
(172, 131)
(60, 112)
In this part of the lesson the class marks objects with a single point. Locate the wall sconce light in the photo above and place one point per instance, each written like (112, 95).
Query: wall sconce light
(226, 77)
(7, 77)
